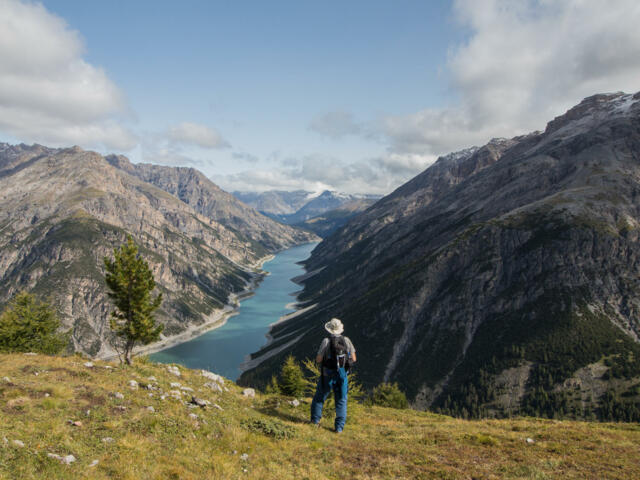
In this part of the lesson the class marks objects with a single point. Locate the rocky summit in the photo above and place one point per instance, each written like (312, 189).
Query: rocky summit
(63, 210)
(502, 280)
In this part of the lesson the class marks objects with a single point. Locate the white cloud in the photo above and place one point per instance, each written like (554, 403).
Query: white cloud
(319, 172)
(335, 125)
(244, 156)
(194, 134)
(525, 62)
(48, 93)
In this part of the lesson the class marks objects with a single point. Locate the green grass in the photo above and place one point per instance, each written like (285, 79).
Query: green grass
(377, 443)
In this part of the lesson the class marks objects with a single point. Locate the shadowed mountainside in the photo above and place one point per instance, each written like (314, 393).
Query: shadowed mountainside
(503, 279)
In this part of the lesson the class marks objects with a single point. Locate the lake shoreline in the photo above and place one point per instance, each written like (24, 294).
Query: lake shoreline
(223, 349)
(215, 320)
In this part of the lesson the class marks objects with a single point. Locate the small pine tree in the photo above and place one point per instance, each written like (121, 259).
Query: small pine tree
(30, 325)
(131, 282)
(389, 395)
(292, 381)
(273, 387)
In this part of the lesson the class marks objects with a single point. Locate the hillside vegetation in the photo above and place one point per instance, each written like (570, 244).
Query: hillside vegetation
(118, 429)
(503, 280)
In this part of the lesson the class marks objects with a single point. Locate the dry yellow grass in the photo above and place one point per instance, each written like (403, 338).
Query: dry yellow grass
(377, 443)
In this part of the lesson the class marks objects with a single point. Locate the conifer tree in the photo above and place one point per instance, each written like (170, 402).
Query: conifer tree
(30, 325)
(273, 387)
(292, 381)
(131, 282)
(389, 395)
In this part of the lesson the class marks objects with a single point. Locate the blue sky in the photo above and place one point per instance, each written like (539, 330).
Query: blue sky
(357, 96)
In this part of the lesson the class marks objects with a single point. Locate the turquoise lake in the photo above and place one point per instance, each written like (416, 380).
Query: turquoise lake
(223, 350)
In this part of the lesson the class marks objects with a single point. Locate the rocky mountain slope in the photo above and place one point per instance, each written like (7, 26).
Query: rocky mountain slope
(325, 223)
(196, 190)
(276, 202)
(319, 213)
(503, 279)
(63, 210)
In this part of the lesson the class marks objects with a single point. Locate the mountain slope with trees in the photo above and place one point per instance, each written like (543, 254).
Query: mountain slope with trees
(502, 280)
(63, 210)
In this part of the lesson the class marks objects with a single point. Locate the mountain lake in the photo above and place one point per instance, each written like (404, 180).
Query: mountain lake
(223, 349)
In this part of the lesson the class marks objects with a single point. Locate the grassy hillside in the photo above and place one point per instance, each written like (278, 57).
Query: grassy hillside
(41, 397)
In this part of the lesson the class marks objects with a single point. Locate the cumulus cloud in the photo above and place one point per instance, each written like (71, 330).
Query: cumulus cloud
(525, 62)
(48, 93)
(194, 134)
(335, 125)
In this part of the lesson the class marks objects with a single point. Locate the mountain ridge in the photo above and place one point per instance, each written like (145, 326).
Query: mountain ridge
(63, 210)
(542, 225)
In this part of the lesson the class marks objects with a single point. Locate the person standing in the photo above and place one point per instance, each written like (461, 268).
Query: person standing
(335, 355)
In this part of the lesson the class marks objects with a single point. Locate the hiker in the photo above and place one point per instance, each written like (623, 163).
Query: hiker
(335, 356)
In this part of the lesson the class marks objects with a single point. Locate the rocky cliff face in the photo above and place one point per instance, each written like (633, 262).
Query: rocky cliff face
(63, 210)
(196, 190)
(503, 279)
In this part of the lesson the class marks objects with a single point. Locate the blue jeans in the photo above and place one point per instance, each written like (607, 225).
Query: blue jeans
(335, 380)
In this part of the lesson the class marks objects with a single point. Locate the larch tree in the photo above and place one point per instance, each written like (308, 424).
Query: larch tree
(130, 283)
(31, 325)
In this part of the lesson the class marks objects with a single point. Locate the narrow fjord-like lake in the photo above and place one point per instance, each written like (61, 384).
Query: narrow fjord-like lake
(223, 350)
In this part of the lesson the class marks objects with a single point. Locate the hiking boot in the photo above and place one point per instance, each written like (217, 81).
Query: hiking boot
(338, 431)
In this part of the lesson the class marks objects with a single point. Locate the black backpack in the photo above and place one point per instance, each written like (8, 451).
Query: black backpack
(337, 355)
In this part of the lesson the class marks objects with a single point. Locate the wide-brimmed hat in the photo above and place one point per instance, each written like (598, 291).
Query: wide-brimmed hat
(334, 326)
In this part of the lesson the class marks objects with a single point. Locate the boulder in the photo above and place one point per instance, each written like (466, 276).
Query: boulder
(249, 392)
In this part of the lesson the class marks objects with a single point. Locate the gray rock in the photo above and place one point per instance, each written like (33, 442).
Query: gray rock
(212, 376)
(89, 364)
(151, 409)
(249, 392)
(108, 440)
(94, 463)
(18, 443)
(66, 460)
(200, 402)
(213, 386)
(118, 395)
(173, 370)
(132, 384)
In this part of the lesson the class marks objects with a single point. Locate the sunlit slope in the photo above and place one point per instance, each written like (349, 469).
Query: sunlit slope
(59, 406)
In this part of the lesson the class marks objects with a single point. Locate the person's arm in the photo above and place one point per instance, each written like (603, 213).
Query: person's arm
(352, 349)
